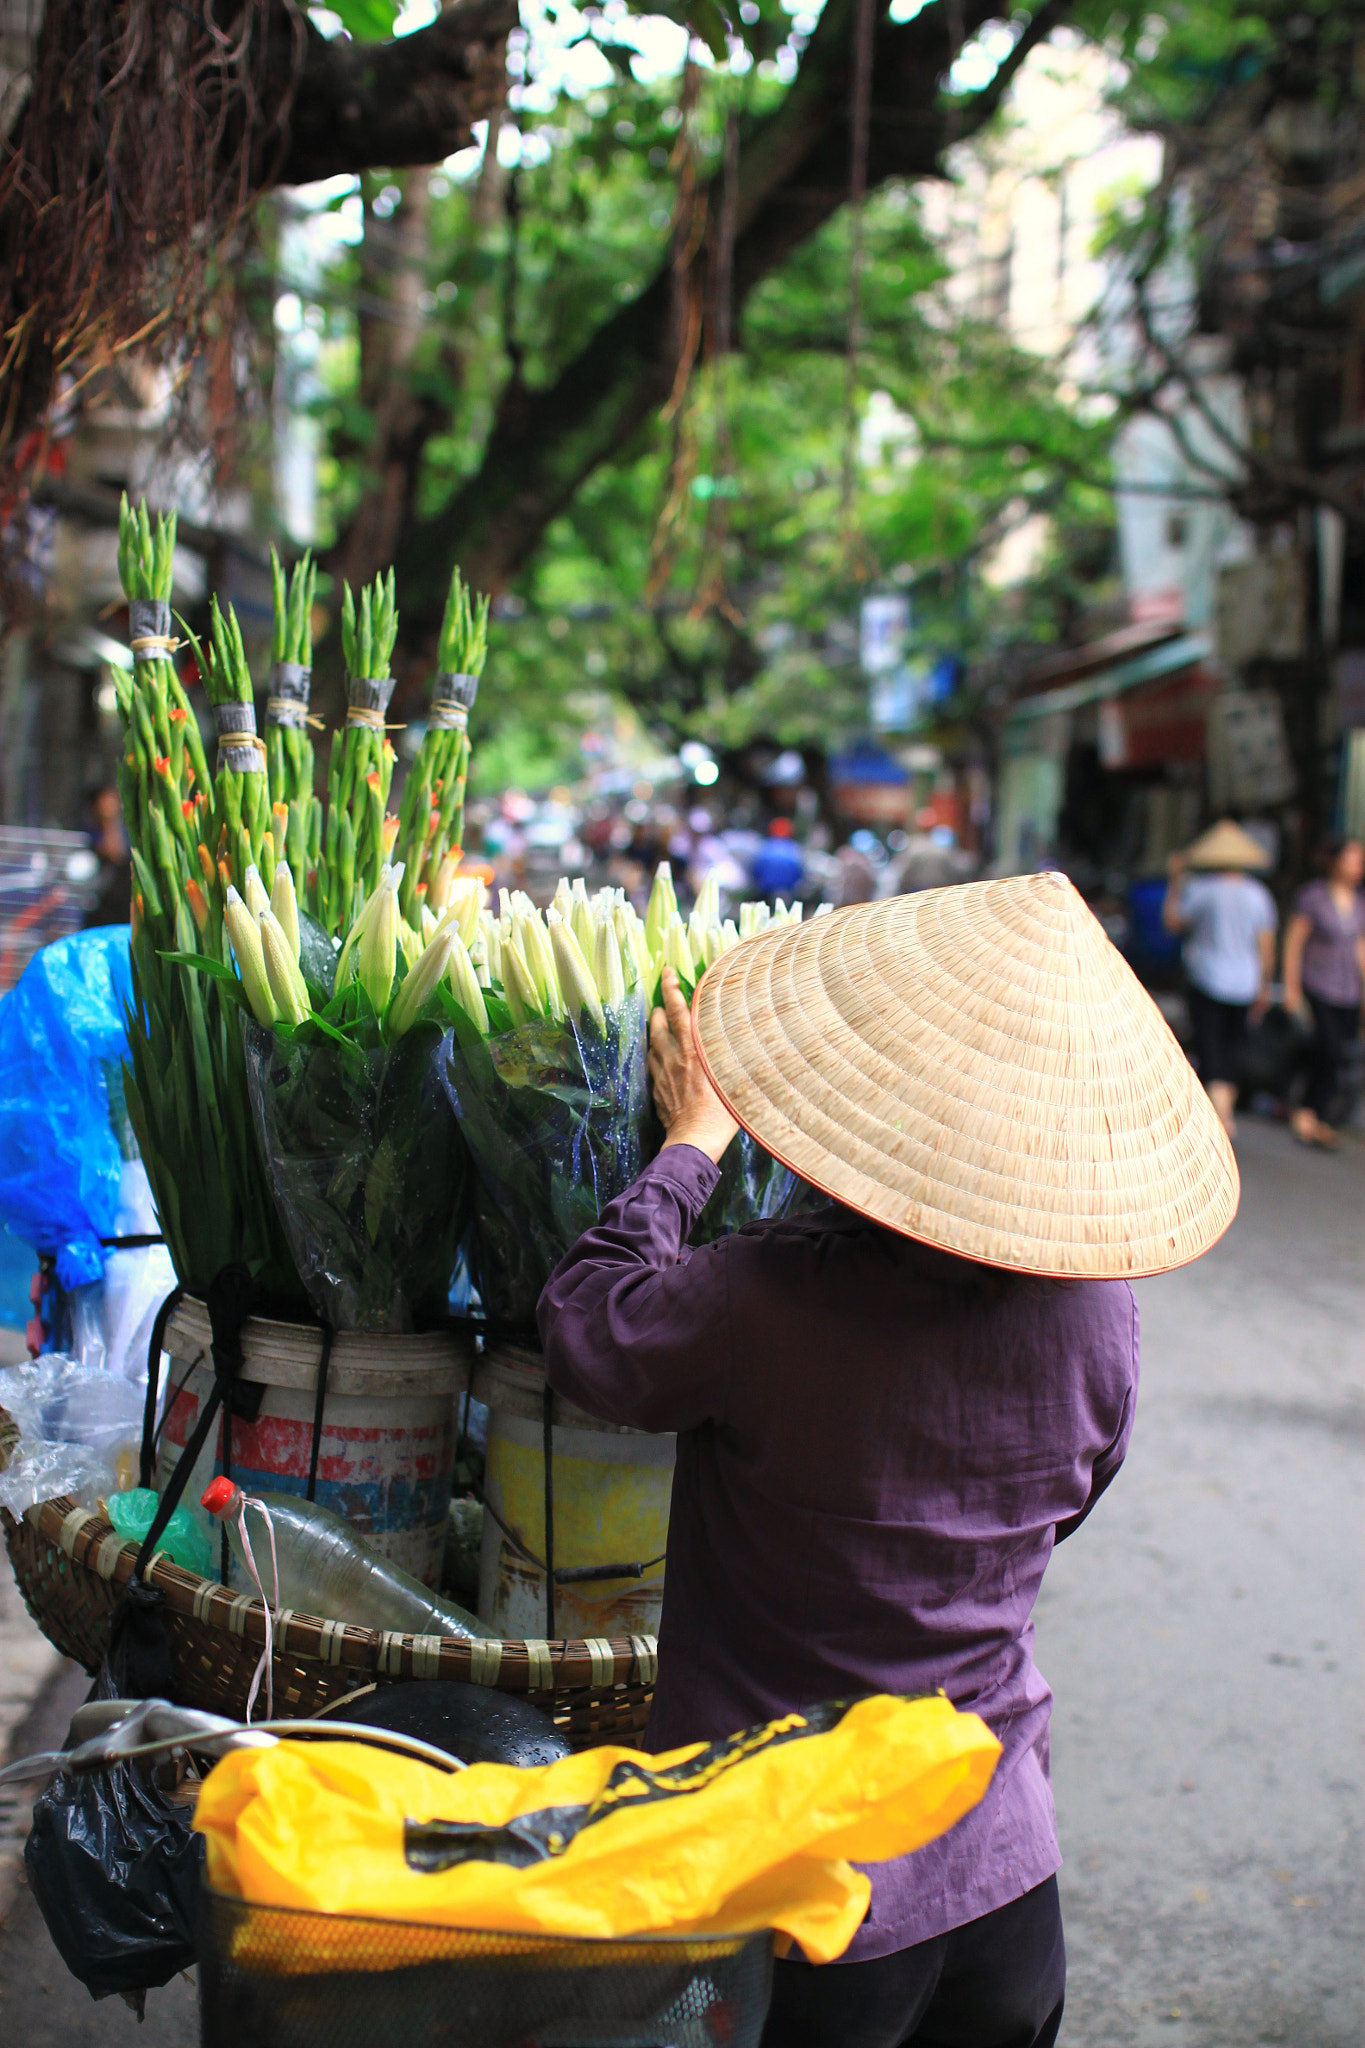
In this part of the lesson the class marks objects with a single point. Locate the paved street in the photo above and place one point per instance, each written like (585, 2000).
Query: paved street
(1202, 1635)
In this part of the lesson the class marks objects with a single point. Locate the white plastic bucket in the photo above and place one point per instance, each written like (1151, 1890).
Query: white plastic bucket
(612, 1489)
(387, 1455)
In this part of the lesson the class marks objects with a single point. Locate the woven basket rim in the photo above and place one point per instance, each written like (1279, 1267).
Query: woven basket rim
(507, 1663)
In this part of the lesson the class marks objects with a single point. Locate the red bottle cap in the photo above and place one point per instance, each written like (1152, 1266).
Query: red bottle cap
(217, 1496)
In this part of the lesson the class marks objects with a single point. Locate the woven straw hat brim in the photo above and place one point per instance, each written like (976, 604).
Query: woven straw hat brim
(1226, 845)
(978, 1068)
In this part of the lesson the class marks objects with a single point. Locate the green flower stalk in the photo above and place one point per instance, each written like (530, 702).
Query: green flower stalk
(431, 819)
(362, 758)
(289, 750)
(185, 1080)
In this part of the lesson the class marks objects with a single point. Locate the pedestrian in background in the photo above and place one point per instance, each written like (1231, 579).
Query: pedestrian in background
(1228, 920)
(1324, 975)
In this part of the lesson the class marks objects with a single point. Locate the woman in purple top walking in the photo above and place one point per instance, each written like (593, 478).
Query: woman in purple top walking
(889, 1411)
(1324, 974)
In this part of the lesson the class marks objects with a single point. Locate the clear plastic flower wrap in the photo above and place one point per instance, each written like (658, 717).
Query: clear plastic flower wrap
(367, 1168)
(553, 1114)
(753, 1187)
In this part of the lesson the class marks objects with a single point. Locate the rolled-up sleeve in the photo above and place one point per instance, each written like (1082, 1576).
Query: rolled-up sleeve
(635, 1323)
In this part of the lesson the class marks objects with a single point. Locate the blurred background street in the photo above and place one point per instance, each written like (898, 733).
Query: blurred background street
(1202, 1637)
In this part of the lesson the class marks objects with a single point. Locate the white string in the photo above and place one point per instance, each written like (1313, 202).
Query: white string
(265, 1663)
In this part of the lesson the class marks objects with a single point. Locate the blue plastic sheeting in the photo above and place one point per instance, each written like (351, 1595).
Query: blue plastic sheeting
(59, 1154)
(16, 1271)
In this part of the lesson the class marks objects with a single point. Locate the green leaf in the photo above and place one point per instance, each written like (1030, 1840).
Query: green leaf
(369, 21)
(206, 964)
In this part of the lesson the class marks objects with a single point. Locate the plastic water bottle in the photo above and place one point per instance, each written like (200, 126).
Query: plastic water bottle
(327, 1568)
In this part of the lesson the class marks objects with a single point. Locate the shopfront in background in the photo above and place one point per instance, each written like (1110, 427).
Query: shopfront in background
(1108, 771)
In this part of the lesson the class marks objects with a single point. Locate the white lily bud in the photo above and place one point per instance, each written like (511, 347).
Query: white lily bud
(285, 904)
(635, 950)
(706, 909)
(607, 967)
(491, 932)
(575, 976)
(582, 922)
(822, 910)
(420, 983)
(287, 985)
(245, 935)
(430, 921)
(346, 966)
(663, 904)
(439, 885)
(466, 901)
(464, 982)
(519, 985)
(411, 944)
(677, 954)
(254, 890)
(377, 953)
(562, 900)
(533, 938)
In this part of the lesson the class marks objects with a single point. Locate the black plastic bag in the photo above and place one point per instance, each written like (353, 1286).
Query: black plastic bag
(111, 1860)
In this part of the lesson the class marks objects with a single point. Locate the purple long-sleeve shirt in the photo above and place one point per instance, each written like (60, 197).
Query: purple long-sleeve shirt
(878, 1445)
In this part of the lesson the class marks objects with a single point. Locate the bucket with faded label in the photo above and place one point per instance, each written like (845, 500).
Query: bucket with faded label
(386, 1459)
(611, 1495)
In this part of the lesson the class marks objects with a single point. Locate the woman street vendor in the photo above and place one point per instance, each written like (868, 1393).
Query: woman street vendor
(889, 1410)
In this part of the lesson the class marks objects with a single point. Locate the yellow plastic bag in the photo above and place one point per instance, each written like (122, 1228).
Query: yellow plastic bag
(728, 1837)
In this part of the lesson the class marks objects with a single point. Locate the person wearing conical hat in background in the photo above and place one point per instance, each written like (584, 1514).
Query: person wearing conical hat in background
(888, 1410)
(1227, 920)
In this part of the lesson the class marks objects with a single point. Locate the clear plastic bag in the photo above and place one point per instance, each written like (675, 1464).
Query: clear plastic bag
(365, 1162)
(79, 1432)
(753, 1187)
(554, 1120)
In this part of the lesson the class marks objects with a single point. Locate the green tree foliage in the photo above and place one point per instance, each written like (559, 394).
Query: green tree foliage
(710, 573)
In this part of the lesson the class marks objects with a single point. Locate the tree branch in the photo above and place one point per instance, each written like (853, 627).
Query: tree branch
(792, 177)
(411, 101)
(974, 113)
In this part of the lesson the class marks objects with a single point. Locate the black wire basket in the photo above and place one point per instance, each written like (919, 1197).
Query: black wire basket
(278, 1977)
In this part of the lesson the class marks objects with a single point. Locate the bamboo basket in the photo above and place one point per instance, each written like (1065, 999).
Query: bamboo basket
(72, 1567)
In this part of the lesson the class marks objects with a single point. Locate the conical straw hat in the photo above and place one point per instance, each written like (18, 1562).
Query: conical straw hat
(1226, 845)
(978, 1068)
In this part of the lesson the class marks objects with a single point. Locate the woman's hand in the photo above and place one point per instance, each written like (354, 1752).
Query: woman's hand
(689, 1108)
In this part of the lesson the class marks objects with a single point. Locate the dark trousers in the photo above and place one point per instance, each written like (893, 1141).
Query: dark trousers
(1220, 1036)
(998, 1982)
(1335, 1026)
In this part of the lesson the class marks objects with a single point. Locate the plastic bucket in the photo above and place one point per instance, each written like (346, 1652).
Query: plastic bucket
(612, 1489)
(386, 1460)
